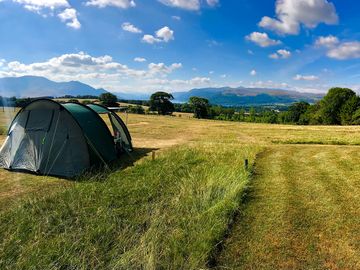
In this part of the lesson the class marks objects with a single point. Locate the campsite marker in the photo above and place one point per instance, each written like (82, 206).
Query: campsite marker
(246, 163)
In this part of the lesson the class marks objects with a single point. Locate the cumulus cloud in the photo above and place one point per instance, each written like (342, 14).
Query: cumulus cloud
(291, 14)
(184, 4)
(85, 67)
(61, 8)
(164, 34)
(262, 39)
(212, 3)
(299, 77)
(280, 54)
(170, 85)
(112, 3)
(150, 39)
(126, 26)
(253, 72)
(163, 69)
(328, 41)
(339, 50)
(69, 16)
(139, 59)
(269, 84)
(40, 5)
(345, 50)
(188, 4)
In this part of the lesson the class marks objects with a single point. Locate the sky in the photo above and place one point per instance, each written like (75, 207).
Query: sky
(141, 46)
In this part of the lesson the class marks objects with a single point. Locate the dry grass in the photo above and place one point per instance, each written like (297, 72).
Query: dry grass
(302, 212)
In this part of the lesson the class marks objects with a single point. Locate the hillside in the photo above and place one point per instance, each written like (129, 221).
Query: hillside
(228, 96)
(33, 86)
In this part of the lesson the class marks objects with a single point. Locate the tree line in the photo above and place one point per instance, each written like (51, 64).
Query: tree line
(340, 106)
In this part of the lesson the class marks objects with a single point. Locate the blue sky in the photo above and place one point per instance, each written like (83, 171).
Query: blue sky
(174, 45)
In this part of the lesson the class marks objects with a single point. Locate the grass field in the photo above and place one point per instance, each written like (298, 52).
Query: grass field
(195, 206)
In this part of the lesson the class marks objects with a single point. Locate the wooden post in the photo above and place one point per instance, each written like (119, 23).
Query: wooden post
(246, 164)
(126, 121)
(153, 155)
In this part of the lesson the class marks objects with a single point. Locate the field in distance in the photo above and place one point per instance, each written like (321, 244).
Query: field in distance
(295, 207)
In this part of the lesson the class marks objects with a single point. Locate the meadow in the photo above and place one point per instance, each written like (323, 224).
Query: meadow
(196, 206)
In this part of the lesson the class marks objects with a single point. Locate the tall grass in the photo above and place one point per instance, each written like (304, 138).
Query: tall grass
(168, 213)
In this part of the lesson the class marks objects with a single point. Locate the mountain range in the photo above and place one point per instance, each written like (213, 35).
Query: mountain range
(34, 86)
(242, 96)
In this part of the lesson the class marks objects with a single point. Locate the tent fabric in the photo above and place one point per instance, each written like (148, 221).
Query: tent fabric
(117, 124)
(50, 138)
(95, 131)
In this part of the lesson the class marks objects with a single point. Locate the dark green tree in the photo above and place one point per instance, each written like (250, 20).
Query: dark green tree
(349, 109)
(161, 102)
(295, 112)
(138, 109)
(109, 100)
(200, 107)
(333, 103)
(356, 117)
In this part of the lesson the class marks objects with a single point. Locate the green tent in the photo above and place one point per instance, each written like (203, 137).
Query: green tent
(50, 138)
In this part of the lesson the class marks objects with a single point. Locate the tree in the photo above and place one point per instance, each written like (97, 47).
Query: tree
(161, 102)
(356, 117)
(349, 109)
(109, 100)
(73, 100)
(138, 109)
(333, 103)
(200, 107)
(295, 112)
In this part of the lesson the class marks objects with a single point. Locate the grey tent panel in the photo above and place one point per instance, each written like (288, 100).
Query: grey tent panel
(45, 139)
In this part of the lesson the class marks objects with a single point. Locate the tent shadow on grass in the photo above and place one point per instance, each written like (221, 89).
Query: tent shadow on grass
(124, 161)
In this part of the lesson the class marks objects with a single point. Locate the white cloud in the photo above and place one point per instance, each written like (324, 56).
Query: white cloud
(150, 39)
(162, 69)
(269, 84)
(250, 52)
(212, 3)
(262, 39)
(86, 67)
(171, 85)
(280, 54)
(223, 76)
(126, 26)
(164, 34)
(46, 8)
(346, 50)
(291, 14)
(69, 16)
(184, 4)
(177, 18)
(328, 41)
(299, 77)
(139, 59)
(114, 3)
(188, 4)
(39, 5)
(253, 72)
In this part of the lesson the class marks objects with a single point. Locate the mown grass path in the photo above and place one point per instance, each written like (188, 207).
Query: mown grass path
(302, 213)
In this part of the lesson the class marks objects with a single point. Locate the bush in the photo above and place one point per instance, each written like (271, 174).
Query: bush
(136, 109)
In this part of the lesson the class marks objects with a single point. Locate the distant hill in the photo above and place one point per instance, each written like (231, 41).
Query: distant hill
(33, 86)
(242, 96)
